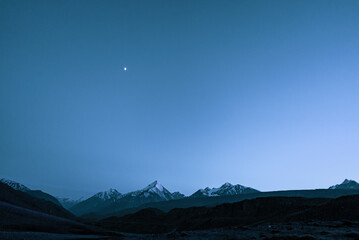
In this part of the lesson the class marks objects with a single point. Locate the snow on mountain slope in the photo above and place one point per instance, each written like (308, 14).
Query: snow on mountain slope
(111, 195)
(98, 201)
(15, 185)
(225, 190)
(35, 193)
(153, 190)
(346, 184)
(113, 200)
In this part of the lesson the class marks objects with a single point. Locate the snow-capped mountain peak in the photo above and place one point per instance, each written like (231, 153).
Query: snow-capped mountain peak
(227, 184)
(347, 181)
(112, 199)
(346, 184)
(224, 190)
(15, 185)
(155, 186)
(153, 190)
(112, 194)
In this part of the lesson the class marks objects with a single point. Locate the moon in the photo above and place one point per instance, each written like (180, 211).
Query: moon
(125, 68)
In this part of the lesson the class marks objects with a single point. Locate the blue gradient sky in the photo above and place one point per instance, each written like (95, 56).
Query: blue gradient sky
(260, 93)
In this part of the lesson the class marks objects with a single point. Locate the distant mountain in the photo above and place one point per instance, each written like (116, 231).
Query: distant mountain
(110, 195)
(68, 202)
(112, 200)
(346, 184)
(35, 193)
(153, 192)
(156, 193)
(178, 195)
(226, 189)
(187, 202)
(15, 185)
(97, 201)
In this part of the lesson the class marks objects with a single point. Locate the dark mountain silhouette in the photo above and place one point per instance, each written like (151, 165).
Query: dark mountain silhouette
(35, 193)
(15, 218)
(25, 200)
(21, 212)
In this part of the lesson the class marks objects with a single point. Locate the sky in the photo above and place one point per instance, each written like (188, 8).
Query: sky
(259, 93)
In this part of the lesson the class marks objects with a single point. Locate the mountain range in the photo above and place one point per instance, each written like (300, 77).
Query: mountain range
(154, 209)
(112, 202)
(226, 189)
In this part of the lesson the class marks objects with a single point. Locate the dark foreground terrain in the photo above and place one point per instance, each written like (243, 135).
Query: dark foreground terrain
(261, 218)
(281, 210)
(290, 231)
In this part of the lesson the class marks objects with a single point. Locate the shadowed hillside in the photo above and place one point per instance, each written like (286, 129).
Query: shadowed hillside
(24, 200)
(244, 213)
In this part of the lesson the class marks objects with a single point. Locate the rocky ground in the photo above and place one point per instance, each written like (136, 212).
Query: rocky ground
(291, 231)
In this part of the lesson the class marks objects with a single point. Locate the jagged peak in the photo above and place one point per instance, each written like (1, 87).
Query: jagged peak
(155, 188)
(153, 185)
(346, 181)
(177, 193)
(112, 190)
(109, 194)
(227, 184)
(15, 185)
(346, 184)
(226, 189)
